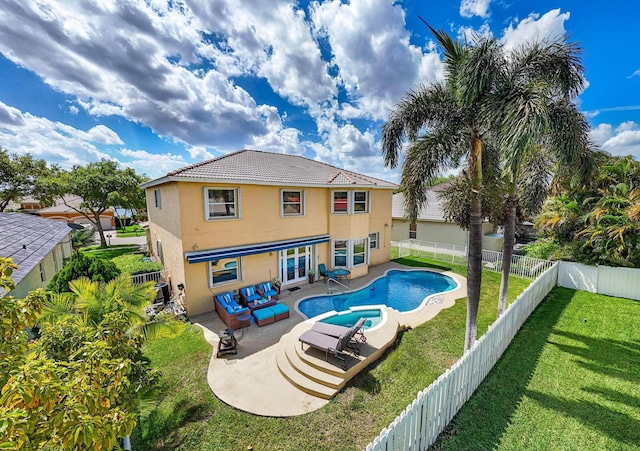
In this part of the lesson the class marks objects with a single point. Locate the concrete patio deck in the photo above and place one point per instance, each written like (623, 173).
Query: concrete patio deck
(257, 380)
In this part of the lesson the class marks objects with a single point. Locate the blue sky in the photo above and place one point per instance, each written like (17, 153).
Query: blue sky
(157, 85)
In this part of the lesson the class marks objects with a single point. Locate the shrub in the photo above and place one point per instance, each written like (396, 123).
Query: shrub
(96, 269)
(542, 249)
(135, 264)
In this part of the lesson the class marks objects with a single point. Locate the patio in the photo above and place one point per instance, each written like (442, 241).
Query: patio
(272, 376)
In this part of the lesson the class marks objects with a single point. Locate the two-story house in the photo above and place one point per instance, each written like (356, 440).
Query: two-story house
(250, 216)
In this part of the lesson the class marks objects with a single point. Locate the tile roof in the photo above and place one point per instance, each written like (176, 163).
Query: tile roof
(27, 239)
(276, 168)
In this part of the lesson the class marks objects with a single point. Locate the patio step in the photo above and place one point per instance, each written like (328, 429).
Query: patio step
(299, 380)
(310, 371)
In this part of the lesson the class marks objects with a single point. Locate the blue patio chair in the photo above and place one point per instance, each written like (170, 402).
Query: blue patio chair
(324, 272)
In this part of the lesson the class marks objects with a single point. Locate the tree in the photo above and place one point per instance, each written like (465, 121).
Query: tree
(101, 185)
(482, 101)
(20, 176)
(77, 387)
(79, 265)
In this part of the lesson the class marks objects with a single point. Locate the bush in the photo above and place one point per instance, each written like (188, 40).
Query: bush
(96, 269)
(135, 264)
(542, 249)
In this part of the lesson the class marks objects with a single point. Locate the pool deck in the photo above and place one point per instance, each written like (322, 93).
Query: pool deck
(272, 375)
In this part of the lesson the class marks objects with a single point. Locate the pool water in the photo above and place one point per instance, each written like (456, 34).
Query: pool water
(398, 289)
(373, 317)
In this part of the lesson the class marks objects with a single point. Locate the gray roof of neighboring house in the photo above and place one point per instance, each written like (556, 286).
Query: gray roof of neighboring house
(431, 211)
(27, 239)
(270, 168)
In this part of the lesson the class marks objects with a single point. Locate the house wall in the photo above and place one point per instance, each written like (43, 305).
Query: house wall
(33, 280)
(440, 232)
(181, 226)
(107, 219)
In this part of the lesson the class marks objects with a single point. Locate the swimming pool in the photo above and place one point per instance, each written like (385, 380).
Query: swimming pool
(403, 290)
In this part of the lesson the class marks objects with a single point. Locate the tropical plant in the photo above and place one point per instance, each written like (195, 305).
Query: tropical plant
(490, 97)
(79, 265)
(77, 387)
(82, 237)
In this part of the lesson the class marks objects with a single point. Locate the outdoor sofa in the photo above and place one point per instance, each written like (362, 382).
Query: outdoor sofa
(230, 311)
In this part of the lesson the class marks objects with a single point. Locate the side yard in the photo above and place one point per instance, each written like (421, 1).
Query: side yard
(569, 380)
(186, 415)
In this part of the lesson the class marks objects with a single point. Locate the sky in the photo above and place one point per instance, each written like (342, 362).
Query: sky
(157, 85)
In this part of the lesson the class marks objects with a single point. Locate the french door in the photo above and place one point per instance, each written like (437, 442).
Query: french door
(295, 264)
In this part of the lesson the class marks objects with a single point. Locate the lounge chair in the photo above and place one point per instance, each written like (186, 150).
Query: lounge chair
(330, 345)
(355, 333)
(324, 272)
(232, 314)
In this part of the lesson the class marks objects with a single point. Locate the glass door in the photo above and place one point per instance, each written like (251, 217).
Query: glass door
(295, 264)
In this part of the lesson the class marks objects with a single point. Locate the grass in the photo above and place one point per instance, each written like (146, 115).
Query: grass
(110, 252)
(187, 416)
(129, 231)
(569, 380)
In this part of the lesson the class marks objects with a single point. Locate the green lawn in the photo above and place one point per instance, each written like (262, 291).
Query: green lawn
(187, 416)
(129, 231)
(110, 252)
(569, 381)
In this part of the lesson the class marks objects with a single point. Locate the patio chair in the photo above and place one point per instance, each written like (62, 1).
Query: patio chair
(249, 294)
(324, 272)
(330, 345)
(266, 289)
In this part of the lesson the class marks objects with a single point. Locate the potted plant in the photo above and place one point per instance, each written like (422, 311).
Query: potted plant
(277, 283)
(312, 276)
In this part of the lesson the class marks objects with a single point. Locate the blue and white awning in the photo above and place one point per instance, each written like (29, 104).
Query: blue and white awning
(252, 249)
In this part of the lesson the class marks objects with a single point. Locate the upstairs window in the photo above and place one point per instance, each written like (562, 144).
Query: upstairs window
(292, 203)
(340, 202)
(221, 203)
(156, 198)
(361, 202)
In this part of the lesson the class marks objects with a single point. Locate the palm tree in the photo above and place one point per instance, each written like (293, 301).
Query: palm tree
(89, 302)
(488, 96)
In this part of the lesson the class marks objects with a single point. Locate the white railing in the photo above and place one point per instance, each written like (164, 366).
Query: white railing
(418, 426)
(156, 276)
(521, 265)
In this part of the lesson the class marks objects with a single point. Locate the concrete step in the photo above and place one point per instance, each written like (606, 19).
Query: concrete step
(299, 380)
(311, 372)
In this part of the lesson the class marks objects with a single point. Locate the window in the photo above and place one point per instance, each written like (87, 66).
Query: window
(43, 276)
(359, 253)
(56, 265)
(413, 231)
(292, 203)
(224, 271)
(374, 240)
(156, 198)
(159, 253)
(360, 202)
(221, 203)
(340, 203)
(340, 253)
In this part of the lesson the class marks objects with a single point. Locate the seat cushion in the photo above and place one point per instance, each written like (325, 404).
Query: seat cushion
(279, 309)
(263, 314)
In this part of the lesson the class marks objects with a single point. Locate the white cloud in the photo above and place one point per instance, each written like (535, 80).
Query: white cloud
(535, 28)
(469, 34)
(199, 153)
(635, 74)
(470, 8)
(151, 164)
(622, 140)
(24, 133)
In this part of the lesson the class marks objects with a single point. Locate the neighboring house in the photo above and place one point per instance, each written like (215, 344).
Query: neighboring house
(61, 212)
(37, 245)
(250, 216)
(432, 226)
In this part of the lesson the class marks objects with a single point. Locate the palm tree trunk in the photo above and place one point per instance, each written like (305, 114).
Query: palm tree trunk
(474, 259)
(507, 249)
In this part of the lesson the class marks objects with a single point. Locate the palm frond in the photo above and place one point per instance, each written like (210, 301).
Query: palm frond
(58, 306)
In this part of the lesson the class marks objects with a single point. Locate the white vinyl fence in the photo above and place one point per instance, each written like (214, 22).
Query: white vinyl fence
(521, 266)
(156, 276)
(619, 282)
(418, 426)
